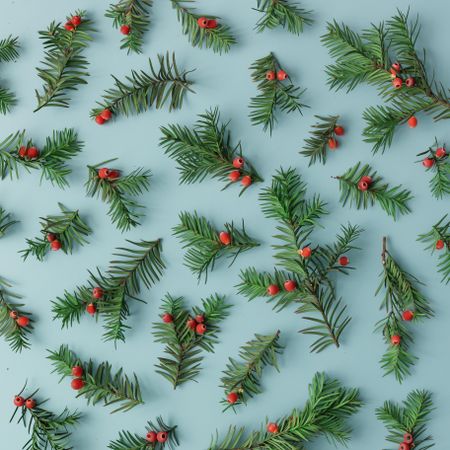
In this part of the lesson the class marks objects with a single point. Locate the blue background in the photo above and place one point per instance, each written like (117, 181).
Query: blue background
(223, 81)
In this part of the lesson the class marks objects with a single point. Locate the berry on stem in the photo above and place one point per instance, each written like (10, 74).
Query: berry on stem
(151, 436)
(30, 403)
(333, 144)
(412, 122)
(339, 131)
(212, 23)
(91, 309)
(51, 237)
(69, 26)
(22, 152)
(273, 289)
(55, 245)
(395, 340)
(99, 119)
(202, 22)
(106, 114)
(305, 252)
(408, 315)
(162, 436)
(234, 176)
(199, 318)
(396, 66)
(410, 82)
(238, 162)
(23, 321)
(290, 285)
(440, 244)
(191, 324)
(200, 328)
(18, 401)
(428, 162)
(270, 75)
(76, 384)
(32, 153)
(13, 315)
(104, 172)
(397, 82)
(282, 75)
(404, 446)
(408, 438)
(232, 398)
(167, 318)
(125, 29)
(246, 180)
(272, 428)
(76, 21)
(440, 152)
(343, 260)
(97, 292)
(225, 238)
(77, 371)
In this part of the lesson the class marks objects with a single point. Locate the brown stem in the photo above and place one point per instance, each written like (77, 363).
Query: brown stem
(384, 251)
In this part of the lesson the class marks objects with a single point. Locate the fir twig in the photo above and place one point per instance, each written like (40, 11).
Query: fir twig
(6, 222)
(8, 52)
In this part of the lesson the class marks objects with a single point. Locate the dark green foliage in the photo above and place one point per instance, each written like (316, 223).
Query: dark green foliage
(204, 150)
(325, 413)
(16, 336)
(316, 145)
(439, 232)
(202, 240)
(140, 90)
(243, 378)
(401, 293)
(282, 13)
(101, 384)
(69, 229)
(64, 67)
(183, 346)
(135, 14)
(394, 201)
(117, 192)
(273, 95)
(8, 52)
(6, 222)
(219, 39)
(411, 417)
(133, 441)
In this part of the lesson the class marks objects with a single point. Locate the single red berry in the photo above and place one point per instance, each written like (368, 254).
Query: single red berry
(199, 318)
(162, 436)
(440, 152)
(343, 261)
(439, 244)
(32, 153)
(428, 162)
(76, 384)
(394, 73)
(246, 180)
(76, 21)
(212, 23)
(30, 403)
(202, 22)
(396, 66)
(273, 289)
(397, 82)
(69, 26)
(234, 176)
(290, 285)
(363, 185)
(270, 75)
(167, 318)
(51, 237)
(22, 151)
(23, 321)
(151, 436)
(91, 309)
(200, 328)
(412, 122)
(282, 75)
(13, 315)
(55, 245)
(333, 144)
(225, 238)
(410, 82)
(305, 252)
(104, 172)
(404, 446)
(232, 398)
(106, 114)
(191, 324)
(396, 339)
(367, 179)
(99, 119)
(114, 175)
(408, 438)
(97, 292)
(125, 29)
(408, 315)
(272, 427)
(77, 371)
(18, 401)
(339, 131)
(238, 162)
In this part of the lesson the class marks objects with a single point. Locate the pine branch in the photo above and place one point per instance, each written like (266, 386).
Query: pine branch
(242, 379)
(187, 335)
(438, 239)
(133, 441)
(46, 429)
(117, 192)
(325, 413)
(408, 422)
(67, 228)
(207, 149)
(206, 244)
(284, 14)
(403, 302)
(217, 37)
(274, 94)
(8, 52)
(101, 385)
(361, 187)
(135, 15)
(6, 222)
(141, 91)
(64, 66)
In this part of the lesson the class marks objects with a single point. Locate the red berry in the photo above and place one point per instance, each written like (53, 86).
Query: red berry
(97, 292)
(104, 172)
(202, 22)
(99, 119)
(412, 122)
(339, 131)
(151, 436)
(396, 66)
(363, 185)
(394, 73)
(22, 151)
(18, 401)
(33, 153)
(333, 143)
(76, 21)
(440, 152)
(23, 321)
(232, 398)
(272, 427)
(69, 26)
(162, 436)
(114, 175)
(408, 315)
(106, 114)
(367, 179)
(212, 23)
(410, 82)
(270, 75)
(238, 162)
(439, 244)
(76, 384)
(125, 29)
(199, 318)
(30, 403)
(408, 438)
(404, 446)
(290, 285)
(282, 75)
(397, 82)
(396, 339)
(200, 328)
(225, 238)
(91, 309)
(13, 315)
(167, 318)
(234, 176)
(77, 371)
(55, 245)
(191, 324)
(51, 237)
(428, 162)
(246, 180)
(305, 252)
(273, 289)
(343, 260)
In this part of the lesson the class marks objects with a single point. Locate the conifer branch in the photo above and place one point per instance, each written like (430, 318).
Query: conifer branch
(275, 94)
(117, 192)
(402, 302)
(135, 15)
(205, 244)
(243, 378)
(217, 37)
(186, 334)
(8, 52)
(282, 13)
(361, 187)
(141, 90)
(325, 413)
(64, 65)
(6, 222)
(206, 149)
(101, 384)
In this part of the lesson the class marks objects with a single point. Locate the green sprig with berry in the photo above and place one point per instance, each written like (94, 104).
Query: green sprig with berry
(8, 52)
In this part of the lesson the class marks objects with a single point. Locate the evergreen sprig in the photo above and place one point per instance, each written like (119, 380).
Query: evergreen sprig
(282, 13)
(218, 38)
(69, 229)
(410, 418)
(243, 377)
(135, 14)
(47, 430)
(118, 193)
(437, 236)
(141, 90)
(325, 413)
(274, 95)
(313, 291)
(101, 384)
(184, 345)
(393, 200)
(132, 268)
(64, 67)
(8, 52)
(401, 295)
(133, 441)
(204, 245)
(6, 221)
(16, 336)
(206, 149)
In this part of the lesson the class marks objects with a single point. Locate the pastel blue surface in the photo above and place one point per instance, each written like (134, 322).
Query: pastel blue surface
(223, 81)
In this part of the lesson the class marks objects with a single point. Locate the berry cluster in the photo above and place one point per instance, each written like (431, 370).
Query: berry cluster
(407, 316)
(235, 175)
(408, 442)
(104, 116)
(22, 321)
(55, 243)
(97, 294)
(77, 383)
(108, 174)
(430, 160)
(333, 143)
(20, 402)
(160, 436)
(204, 22)
(73, 23)
(28, 153)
